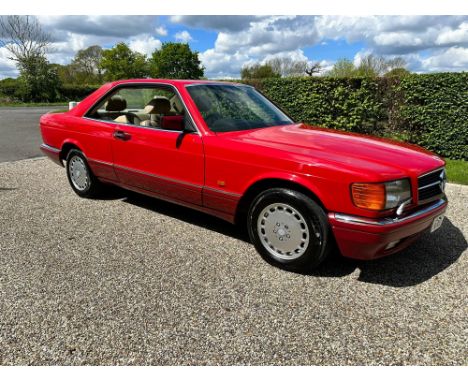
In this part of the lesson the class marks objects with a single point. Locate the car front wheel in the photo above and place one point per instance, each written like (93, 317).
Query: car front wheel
(81, 179)
(289, 229)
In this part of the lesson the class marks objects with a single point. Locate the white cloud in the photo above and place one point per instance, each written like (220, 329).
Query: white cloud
(183, 36)
(161, 31)
(296, 55)
(7, 66)
(145, 44)
(451, 59)
(396, 34)
(270, 35)
(413, 37)
(428, 43)
(220, 65)
(265, 37)
(226, 23)
(454, 36)
(95, 25)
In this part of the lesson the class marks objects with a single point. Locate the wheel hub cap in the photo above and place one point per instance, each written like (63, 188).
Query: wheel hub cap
(78, 173)
(283, 231)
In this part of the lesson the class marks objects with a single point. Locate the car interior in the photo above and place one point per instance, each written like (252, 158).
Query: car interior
(147, 107)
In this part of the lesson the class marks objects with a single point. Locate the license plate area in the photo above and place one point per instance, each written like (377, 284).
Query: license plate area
(437, 222)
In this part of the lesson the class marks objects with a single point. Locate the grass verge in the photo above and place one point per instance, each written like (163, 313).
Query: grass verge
(457, 171)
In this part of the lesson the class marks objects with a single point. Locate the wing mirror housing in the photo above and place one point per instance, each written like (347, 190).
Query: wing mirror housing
(177, 123)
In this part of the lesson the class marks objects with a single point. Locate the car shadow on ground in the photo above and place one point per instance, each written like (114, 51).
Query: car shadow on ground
(423, 260)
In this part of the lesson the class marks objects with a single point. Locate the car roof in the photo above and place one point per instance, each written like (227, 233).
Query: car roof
(172, 81)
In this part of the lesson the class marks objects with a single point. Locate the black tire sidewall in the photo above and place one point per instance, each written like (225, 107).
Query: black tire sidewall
(92, 188)
(312, 213)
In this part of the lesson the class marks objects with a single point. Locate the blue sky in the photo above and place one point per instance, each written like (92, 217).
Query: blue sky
(227, 43)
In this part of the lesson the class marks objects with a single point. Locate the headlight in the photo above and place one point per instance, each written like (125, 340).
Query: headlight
(381, 196)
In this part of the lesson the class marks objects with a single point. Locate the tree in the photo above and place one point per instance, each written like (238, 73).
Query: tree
(23, 37)
(313, 68)
(370, 66)
(38, 81)
(343, 68)
(87, 65)
(397, 72)
(66, 73)
(257, 71)
(120, 62)
(176, 60)
(27, 43)
(287, 67)
(396, 63)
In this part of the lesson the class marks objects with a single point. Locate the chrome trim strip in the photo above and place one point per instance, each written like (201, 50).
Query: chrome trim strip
(218, 84)
(50, 148)
(158, 176)
(233, 194)
(429, 185)
(223, 192)
(100, 162)
(388, 221)
(430, 172)
(138, 126)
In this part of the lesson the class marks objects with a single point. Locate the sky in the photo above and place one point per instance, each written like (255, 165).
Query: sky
(227, 43)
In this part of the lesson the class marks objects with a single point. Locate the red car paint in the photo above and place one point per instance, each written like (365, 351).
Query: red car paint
(211, 171)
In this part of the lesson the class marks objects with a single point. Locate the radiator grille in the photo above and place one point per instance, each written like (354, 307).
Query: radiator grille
(431, 185)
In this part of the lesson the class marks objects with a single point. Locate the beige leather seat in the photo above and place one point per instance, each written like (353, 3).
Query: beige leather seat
(156, 108)
(117, 105)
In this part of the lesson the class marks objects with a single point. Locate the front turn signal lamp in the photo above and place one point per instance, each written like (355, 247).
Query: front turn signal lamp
(381, 196)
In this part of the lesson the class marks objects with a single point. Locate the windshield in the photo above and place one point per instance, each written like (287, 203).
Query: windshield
(235, 107)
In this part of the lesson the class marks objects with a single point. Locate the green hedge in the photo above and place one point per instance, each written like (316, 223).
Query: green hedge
(345, 104)
(427, 109)
(434, 110)
(76, 92)
(10, 91)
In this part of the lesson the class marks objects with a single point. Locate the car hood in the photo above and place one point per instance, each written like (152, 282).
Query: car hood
(380, 157)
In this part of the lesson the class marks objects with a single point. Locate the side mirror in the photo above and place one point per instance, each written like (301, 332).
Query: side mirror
(173, 122)
(188, 126)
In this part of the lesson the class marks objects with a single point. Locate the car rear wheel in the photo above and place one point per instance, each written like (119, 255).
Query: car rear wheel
(81, 179)
(289, 229)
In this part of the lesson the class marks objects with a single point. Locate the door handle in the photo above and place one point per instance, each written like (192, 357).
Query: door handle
(122, 135)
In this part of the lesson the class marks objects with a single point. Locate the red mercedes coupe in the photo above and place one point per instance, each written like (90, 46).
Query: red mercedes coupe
(225, 149)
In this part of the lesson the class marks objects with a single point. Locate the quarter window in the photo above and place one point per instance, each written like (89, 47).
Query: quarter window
(140, 106)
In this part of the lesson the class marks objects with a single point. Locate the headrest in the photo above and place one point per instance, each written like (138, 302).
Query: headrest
(158, 106)
(116, 103)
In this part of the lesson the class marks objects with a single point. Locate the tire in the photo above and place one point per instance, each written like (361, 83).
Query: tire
(289, 229)
(80, 176)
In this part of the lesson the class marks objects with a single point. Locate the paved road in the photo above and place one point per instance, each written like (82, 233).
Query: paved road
(131, 280)
(19, 132)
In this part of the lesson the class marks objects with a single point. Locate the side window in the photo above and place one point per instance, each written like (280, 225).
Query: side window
(141, 106)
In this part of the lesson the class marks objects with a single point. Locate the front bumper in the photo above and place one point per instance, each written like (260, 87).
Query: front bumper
(365, 238)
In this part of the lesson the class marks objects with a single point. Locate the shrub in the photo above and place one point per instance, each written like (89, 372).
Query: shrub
(434, 109)
(427, 109)
(76, 92)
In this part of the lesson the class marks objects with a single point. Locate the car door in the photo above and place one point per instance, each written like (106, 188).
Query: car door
(169, 163)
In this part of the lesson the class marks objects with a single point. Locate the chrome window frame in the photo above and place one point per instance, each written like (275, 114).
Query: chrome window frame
(241, 85)
(136, 85)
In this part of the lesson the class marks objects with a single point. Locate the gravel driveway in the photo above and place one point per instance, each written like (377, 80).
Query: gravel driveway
(132, 280)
